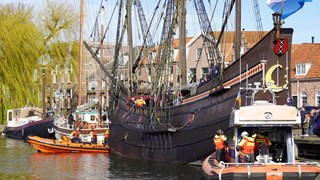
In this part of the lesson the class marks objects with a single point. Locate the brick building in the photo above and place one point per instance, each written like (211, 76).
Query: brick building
(305, 74)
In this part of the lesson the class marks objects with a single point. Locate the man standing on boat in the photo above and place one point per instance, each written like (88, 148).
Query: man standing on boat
(246, 148)
(71, 120)
(221, 144)
(260, 138)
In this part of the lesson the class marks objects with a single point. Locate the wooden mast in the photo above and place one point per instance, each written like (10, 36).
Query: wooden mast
(182, 43)
(101, 59)
(130, 46)
(80, 54)
(238, 30)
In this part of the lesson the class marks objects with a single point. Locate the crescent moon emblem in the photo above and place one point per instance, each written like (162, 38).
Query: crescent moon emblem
(270, 83)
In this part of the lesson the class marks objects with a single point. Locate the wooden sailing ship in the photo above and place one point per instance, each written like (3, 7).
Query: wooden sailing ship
(183, 132)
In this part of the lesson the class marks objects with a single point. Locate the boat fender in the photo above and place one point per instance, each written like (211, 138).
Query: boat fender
(221, 164)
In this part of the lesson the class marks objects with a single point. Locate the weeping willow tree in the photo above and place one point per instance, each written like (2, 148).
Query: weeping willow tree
(21, 44)
(58, 23)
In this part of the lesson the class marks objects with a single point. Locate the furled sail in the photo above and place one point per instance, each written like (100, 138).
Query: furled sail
(289, 6)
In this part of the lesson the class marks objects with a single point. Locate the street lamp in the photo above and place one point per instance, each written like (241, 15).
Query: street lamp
(277, 23)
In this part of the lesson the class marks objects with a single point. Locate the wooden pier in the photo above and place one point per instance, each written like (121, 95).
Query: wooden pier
(307, 146)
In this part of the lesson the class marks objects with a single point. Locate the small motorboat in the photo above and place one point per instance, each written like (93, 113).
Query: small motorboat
(25, 121)
(64, 146)
(276, 161)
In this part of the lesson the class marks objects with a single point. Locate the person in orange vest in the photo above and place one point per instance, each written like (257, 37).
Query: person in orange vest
(106, 137)
(76, 136)
(221, 144)
(246, 148)
(93, 134)
(260, 138)
(140, 102)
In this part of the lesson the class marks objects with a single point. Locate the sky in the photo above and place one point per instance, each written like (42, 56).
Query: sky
(304, 22)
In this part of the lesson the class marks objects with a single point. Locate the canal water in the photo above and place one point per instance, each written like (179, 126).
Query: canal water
(18, 160)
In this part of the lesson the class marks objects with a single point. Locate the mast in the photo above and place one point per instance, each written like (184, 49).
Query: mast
(182, 43)
(80, 53)
(238, 30)
(130, 55)
(101, 58)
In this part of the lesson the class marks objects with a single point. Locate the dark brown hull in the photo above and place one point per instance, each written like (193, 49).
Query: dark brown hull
(38, 128)
(187, 134)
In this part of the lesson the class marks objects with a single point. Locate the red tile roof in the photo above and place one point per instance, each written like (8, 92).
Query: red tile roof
(306, 53)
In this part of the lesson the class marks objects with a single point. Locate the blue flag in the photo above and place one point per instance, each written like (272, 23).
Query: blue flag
(290, 6)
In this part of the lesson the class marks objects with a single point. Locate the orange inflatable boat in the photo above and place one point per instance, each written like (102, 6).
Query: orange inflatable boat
(64, 146)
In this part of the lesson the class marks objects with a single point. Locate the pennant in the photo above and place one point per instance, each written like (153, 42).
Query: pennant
(289, 7)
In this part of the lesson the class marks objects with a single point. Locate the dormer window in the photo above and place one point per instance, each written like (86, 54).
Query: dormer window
(302, 69)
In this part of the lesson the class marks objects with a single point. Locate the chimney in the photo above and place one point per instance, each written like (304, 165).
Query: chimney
(312, 39)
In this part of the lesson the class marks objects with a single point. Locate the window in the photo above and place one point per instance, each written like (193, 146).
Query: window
(303, 97)
(295, 101)
(205, 72)
(171, 56)
(171, 69)
(210, 53)
(199, 53)
(150, 57)
(149, 71)
(192, 75)
(302, 69)
(318, 99)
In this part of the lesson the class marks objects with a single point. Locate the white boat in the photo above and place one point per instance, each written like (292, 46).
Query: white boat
(274, 161)
(22, 122)
(86, 117)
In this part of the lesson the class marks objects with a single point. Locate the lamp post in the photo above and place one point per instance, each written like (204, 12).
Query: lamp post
(276, 17)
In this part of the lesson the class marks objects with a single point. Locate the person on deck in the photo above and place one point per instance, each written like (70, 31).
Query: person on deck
(106, 137)
(246, 148)
(76, 136)
(93, 134)
(303, 113)
(202, 80)
(260, 138)
(221, 144)
(71, 120)
(140, 102)
(306, 124)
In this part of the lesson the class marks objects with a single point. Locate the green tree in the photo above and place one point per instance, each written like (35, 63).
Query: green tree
(20, 46)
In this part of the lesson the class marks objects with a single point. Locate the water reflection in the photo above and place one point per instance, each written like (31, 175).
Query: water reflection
(18, 160)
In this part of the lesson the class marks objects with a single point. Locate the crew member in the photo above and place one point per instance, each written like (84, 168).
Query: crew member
(246, 148)
(76, 136)
(71, 120)
(106, 137)
(258, 140)
(221, 144)
(140, 102)
(93, 134)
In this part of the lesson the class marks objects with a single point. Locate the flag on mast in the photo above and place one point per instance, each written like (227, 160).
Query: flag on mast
(239, 98)
(289, 6)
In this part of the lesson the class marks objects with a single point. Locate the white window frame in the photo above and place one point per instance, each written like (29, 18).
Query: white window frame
(210, 53)
(302, 69)
(198, 54)
(304, 96)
